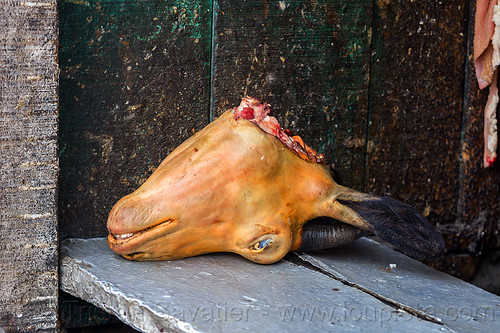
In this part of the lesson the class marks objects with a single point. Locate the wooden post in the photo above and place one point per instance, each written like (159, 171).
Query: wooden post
(28, 165)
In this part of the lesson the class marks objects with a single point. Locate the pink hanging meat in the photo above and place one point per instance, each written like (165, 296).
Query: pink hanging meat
(487, 59)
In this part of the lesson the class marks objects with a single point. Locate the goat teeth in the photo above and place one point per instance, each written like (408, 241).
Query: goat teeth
(122, 236)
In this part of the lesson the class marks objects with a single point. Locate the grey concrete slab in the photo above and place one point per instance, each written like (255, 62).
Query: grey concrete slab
(413, 286)
(224, 293)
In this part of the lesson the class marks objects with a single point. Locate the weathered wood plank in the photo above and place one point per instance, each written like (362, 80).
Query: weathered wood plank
(28, 166)
(417, 288)
(134, 84)
(310, 61)
(416, 104)
(479, 204)
(224, 293)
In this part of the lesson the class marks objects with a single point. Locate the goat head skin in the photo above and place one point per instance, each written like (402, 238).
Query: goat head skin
(244, 185)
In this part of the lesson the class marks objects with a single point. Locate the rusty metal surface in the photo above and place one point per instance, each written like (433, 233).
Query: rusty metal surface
(396, 278)
(224, 293)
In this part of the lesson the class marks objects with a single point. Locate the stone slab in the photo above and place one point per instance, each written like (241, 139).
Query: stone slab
(224, 293)
(411, 285)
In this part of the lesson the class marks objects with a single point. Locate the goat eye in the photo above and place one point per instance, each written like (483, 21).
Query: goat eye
(261, 245)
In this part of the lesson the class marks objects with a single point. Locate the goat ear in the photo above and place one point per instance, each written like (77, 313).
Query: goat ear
(392, 221)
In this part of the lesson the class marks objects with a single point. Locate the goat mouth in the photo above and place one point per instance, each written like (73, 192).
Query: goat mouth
(125, 242)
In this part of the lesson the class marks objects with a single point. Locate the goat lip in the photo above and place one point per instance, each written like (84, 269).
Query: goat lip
(125, 242)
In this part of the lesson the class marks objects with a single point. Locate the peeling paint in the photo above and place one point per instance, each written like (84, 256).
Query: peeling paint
(106, 143)
(187, 13)
(152, 36)
(382, 5)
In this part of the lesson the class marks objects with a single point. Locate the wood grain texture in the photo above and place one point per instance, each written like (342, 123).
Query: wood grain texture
(28, 166)
(310, 61)
(478, 201)
(417, 80)
(134, 84)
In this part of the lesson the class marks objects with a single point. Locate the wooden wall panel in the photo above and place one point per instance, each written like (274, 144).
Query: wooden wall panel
(135, 81)
(310, 61)
(416, 94)
(479, 195)
(28, 166)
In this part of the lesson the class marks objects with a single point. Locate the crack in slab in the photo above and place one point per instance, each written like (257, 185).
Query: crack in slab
(297, 259)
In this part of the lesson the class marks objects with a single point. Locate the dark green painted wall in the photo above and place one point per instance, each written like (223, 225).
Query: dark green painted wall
(135, 80)
(137, 77)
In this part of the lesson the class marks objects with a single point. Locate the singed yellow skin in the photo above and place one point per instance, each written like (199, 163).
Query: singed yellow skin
(226, 188)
